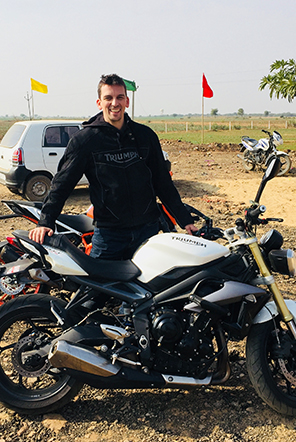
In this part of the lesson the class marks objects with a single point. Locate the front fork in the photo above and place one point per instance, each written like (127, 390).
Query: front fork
(278, 297)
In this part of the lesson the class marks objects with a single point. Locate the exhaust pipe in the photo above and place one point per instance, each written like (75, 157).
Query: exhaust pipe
(81, 358)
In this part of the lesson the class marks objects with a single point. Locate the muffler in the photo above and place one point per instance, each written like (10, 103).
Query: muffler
(81, 358)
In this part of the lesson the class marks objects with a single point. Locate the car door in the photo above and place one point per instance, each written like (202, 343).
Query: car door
(55, 140)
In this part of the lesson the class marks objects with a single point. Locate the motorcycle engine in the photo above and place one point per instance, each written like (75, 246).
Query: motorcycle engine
(167, 326)
(184, 342)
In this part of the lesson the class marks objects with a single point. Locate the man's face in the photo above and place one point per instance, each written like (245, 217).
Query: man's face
(113, 102)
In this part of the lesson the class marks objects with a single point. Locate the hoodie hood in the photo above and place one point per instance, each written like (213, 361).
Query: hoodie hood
(98, 121)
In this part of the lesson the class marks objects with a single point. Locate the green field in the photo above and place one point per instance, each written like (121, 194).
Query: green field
(216, 129)
(223, 130)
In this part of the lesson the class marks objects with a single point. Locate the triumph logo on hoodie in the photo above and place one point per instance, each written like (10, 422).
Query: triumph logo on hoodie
(122, 157)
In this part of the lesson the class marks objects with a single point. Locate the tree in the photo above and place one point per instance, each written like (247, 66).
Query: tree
(266, 113)
(214, 112)
(281, 80)
(241, 112)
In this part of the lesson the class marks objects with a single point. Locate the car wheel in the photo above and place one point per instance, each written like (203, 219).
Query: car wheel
(37, 187)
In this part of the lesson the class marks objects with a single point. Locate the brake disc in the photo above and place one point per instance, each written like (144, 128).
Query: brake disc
(289, 375)
(31, 366)
(11, 286)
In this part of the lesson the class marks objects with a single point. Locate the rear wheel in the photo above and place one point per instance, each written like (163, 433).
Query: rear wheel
(28, 384)
(248, 162)
(271, 364)
(286, 164)
(37, 187)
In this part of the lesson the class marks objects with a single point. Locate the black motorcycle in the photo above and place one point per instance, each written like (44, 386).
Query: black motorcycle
(160, 320)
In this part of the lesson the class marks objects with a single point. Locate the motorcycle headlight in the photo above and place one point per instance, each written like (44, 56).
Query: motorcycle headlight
(271, 240)
(277, 138)
(283, 261)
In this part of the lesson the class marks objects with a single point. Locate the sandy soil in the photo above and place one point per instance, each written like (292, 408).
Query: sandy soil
(212, 179)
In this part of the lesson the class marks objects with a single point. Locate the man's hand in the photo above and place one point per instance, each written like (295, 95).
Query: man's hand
(190, 228)
(38, 234)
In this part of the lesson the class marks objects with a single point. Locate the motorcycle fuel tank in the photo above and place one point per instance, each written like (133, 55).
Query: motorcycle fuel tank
(166, 251)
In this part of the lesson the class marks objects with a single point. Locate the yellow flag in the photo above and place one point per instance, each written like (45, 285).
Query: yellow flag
(39, 87)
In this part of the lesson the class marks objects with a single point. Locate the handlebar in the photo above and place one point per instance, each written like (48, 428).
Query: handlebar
(268, 133)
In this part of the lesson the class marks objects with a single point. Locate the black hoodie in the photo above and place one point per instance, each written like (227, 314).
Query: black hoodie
(126, 170)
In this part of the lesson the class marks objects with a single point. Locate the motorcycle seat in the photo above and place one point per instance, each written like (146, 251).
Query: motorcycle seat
(81, 223)
(250, 141)
(96, 268)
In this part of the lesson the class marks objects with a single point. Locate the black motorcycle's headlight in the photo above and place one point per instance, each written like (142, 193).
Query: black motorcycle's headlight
(283, 261)
(271, 240)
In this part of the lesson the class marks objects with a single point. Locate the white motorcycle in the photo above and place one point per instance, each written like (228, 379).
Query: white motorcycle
(160, 320)
(258, 153)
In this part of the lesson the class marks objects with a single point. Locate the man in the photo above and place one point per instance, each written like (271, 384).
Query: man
(124, 165)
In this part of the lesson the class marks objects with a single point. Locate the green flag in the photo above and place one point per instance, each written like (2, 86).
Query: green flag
(130, 85)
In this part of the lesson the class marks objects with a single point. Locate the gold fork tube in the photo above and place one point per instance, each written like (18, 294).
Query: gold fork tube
(278, 297)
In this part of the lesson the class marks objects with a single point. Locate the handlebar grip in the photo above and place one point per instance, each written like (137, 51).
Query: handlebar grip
(253, 213)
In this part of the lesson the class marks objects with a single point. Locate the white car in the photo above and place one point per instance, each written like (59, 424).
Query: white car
(30, 152)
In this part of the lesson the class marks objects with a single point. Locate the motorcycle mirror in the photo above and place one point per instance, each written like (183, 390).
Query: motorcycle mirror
(273, 168)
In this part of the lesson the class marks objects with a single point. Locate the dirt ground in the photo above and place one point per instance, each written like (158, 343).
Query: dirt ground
(212, 179)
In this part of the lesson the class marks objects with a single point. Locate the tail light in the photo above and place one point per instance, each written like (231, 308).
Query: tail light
(17, 157)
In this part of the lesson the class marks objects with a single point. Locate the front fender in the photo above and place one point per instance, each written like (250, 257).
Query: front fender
(270, 311)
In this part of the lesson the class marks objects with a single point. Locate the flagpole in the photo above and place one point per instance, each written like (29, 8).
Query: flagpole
(202, 119)
(32, 104)
(133, 105)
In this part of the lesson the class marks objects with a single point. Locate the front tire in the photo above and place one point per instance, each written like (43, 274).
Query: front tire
(248, 162)
(286, 164)
(28, 384)
(272, 367)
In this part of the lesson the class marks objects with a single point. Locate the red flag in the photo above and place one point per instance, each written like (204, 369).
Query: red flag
(206, 90)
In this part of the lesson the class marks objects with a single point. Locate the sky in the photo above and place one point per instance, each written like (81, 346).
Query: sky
(163, 45)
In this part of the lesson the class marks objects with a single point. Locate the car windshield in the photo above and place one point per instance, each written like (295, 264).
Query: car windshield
(13, 135)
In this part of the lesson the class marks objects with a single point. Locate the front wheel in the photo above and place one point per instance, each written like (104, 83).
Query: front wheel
(28, 384)
(286, 164)
(248, 161)
(271, 364)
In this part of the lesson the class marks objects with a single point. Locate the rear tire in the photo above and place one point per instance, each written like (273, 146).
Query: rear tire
(286, 164)
(28, 384)
(247, 161)
(37, 187)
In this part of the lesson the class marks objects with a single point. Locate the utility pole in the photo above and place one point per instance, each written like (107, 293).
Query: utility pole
(28, 100)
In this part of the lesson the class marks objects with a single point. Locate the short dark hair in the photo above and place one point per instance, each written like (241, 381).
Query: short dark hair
(110, 79)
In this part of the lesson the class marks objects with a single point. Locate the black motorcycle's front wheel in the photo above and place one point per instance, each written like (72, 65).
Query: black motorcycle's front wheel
(271, 364)
(28, 384)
